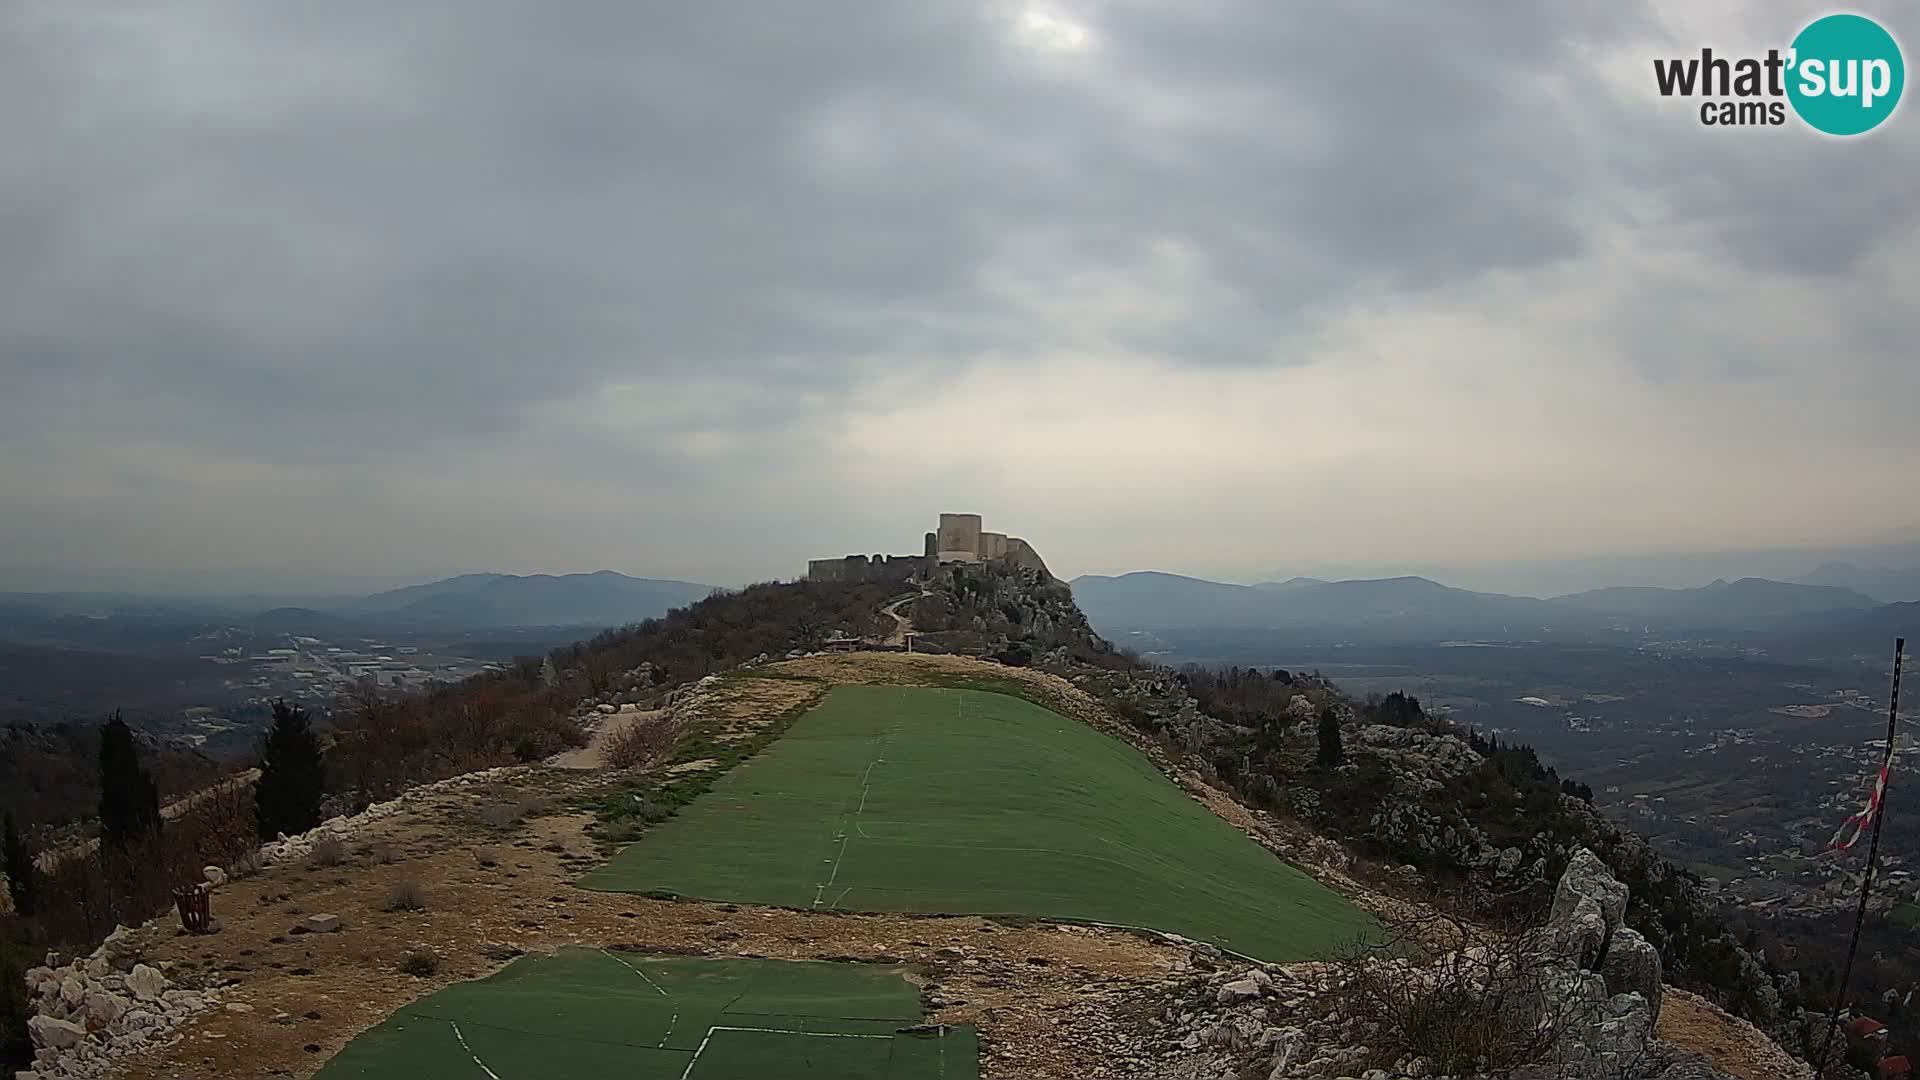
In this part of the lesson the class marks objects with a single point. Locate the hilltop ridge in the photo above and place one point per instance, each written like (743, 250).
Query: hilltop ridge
(1410, 812)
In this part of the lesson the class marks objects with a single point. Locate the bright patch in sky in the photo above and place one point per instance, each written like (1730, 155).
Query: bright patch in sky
(1044, 30)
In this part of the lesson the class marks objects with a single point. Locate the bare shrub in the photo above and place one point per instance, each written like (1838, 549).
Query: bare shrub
(406, 895)
(327, 851)
(1476, 1008)
(383, 853)
(245, 865)
(498, 815)
(420, 962)
(641, 743)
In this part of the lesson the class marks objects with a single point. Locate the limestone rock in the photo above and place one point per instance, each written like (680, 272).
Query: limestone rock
(146, 983)
(104, 1007)
(73, 990)
(322, 924)
(1587, 877)
(55, 1034)
(1237, 990)
(1632, 965)
(215, 876)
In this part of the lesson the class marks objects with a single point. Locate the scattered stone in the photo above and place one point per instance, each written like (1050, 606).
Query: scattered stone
(146, 983)
(55, 1034)
(322, 924)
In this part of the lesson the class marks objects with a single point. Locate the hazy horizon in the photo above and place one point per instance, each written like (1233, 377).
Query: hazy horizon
(341, 297)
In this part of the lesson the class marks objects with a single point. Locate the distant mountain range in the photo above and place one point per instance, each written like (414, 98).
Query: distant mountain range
(603, 598)
(1415, 608)
(469, 601)
(1889, 585)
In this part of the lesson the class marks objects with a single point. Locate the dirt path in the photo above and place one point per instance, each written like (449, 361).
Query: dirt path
(593, 755)
(902, 624)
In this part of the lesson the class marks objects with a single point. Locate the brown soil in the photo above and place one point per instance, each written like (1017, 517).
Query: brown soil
(593, 755)
(1734, 1046)
(741, 708)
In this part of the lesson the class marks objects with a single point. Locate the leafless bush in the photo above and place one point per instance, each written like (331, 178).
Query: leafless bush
(406, 895)
(641, 743)
(327, 851)
(420, 962)
(498, 815)
(245, 865)
(382, 852)
(1477, 1007)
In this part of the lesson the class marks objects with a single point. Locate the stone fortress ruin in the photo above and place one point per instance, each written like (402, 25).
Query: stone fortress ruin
(959, 539)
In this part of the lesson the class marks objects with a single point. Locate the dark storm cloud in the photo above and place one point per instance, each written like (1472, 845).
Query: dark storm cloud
(660, 250)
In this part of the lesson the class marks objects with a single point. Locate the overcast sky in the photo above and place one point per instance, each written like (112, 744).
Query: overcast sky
(329, 294)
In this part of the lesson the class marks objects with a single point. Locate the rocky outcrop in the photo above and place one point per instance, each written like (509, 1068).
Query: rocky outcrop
(1587, 984)
(91, 1012)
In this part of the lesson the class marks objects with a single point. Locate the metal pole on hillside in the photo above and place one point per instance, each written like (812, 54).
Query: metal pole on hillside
(1885, 781)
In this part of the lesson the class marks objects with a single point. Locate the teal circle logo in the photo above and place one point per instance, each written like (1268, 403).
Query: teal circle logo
(1846, 74)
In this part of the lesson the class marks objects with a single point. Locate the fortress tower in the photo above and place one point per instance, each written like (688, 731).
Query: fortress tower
(959, 539)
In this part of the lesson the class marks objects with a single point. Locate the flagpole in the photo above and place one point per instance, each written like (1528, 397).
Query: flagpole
(1873, 855)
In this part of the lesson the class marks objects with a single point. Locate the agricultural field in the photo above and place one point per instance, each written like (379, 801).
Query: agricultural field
(950, 801)
(590, 1013)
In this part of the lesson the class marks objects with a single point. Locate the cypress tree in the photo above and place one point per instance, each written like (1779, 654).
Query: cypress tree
(129, 799)
(293, 775)
(19, 866)
(1331, 752)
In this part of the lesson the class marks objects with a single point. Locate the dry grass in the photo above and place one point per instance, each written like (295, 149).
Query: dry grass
(407, 895)
(498, 815)
(420, 962)
(328, 851)
(641, 743)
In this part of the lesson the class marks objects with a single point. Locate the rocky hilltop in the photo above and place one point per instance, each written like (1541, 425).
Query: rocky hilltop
(1528, 936)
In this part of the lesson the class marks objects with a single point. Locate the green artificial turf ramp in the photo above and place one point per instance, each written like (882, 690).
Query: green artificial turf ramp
(913, 799)
(591, 1013)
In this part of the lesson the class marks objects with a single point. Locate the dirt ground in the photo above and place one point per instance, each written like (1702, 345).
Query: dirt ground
(593, 755)
(1047, 1000)
(1693, 1022)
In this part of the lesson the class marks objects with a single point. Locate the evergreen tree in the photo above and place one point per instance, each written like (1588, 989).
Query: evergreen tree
(19, 867)
(293, 775)
(1331, 752)
(129, 799)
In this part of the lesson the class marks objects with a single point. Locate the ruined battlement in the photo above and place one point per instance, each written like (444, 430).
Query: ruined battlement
(959, 539)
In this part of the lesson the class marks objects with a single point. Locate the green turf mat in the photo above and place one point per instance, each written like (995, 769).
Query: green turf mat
(594, 1013)
(966, 802)
(749, 1054)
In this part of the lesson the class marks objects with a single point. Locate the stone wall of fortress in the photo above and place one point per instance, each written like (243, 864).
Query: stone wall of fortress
(959, 539)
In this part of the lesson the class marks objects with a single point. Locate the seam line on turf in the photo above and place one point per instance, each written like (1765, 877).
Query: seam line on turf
(469, 1050)
(673, 1020)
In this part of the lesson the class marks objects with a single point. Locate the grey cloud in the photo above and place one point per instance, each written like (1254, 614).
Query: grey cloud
(412, 236)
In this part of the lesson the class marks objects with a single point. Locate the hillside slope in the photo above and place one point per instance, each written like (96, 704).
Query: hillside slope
(1415, 812)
